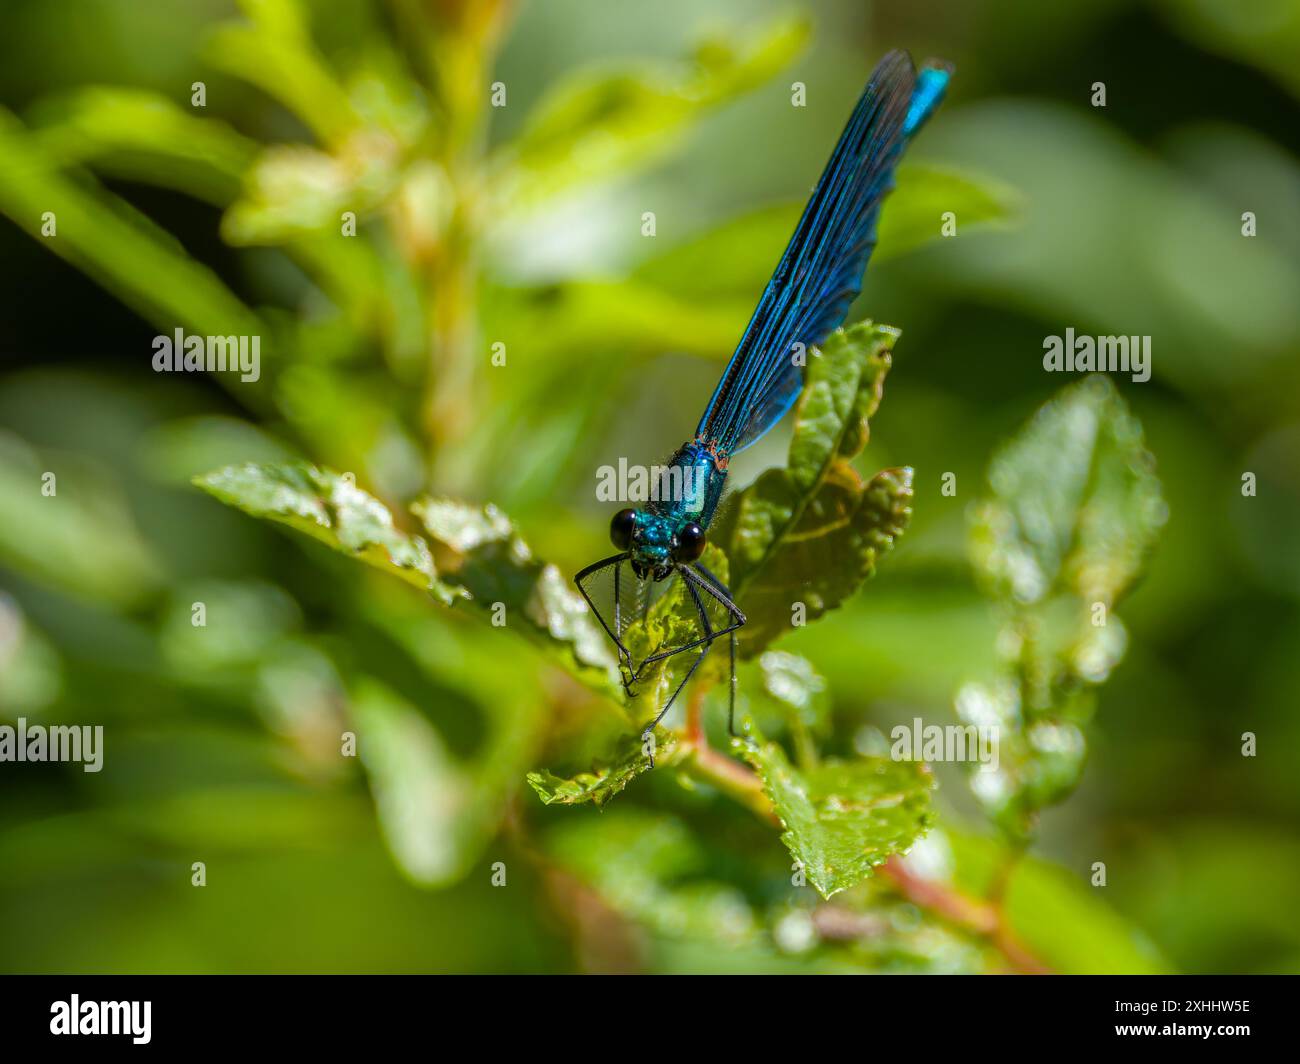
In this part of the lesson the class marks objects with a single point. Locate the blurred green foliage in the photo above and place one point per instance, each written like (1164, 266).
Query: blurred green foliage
(381, 428)
(1073, 511)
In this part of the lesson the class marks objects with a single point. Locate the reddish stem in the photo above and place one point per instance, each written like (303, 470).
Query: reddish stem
(984, 918)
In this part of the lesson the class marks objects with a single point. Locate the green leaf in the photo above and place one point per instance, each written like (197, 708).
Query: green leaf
(291, 194)
(843, 818)
(825, 556)
(1052, 910)
(82, 538)
(486, 561)
(605, 780)
(562, 322)
(649, 867)
(1074, 502)
(1073, 510)
(174, 449)
(606, 123)
(1266, 37)
(245, 623)
(913, 215)
(31, 674)
(275, 52)
(419, 791)
(1062, 920)
(793, 684)
(332, 509)
(492, 564)
(736, 258)
(143, 136)
(813, 531)
(511, 707)
(437, 812)
(114, 244)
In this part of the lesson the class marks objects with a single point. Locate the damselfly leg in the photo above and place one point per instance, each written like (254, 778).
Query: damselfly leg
(616, 632)
(722, 594)
(703, 588)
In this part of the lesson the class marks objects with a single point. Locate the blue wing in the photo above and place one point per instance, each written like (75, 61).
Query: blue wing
(820, 273)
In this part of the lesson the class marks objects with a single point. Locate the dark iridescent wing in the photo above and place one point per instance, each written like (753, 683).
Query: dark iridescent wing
(820, 273)
(771, 406)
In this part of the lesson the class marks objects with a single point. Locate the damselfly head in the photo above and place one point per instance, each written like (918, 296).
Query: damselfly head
(656, 545)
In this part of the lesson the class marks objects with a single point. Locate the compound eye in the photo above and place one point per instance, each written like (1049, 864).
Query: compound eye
(690, 543)
(620, 528)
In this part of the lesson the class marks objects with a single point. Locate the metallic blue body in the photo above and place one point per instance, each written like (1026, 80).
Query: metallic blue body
(807, 298)
(701, 481)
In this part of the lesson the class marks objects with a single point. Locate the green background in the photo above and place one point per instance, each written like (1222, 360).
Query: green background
(222, 742)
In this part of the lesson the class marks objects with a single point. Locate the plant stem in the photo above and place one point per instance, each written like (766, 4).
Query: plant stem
(732, 778)
(695, 716)
(704, 763)
(984, 918)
